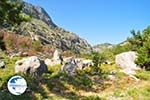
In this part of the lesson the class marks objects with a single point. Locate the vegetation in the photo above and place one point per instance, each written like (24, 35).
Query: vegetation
(91, 83)
(11, 13)
(98, 59)
(143, 75)
(141, 43)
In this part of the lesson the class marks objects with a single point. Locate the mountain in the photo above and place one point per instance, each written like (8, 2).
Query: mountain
(38, 13)
(102, 47)
(42, 28)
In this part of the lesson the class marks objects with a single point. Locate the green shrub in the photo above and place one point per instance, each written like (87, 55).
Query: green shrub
(10, 12)
(54, 69)
(145, 75)
(91, 98)
(142, 44)
(98, 59)
(36, 45)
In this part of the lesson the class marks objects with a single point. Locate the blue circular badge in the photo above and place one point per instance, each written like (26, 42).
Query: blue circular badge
(17, 85)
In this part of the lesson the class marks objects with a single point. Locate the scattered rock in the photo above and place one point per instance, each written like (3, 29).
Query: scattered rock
(31, 65)
(87, 63)
(2, 64)
(113, 72)
(112, 77)
(81, 62)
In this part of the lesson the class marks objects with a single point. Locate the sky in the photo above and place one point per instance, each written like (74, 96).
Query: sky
(98, 21)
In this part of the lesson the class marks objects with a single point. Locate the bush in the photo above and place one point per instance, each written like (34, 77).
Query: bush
(143, 59)
(11, 13)
(144, 75)
(36, 45)
(98, 59)
(141, 43)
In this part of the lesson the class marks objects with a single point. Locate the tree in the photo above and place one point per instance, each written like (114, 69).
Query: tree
(136, 40)
(98, 59)
(11, 12)
(143, 59)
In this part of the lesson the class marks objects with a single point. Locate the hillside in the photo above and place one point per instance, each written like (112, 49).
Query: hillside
(102, 47)
(42, 28)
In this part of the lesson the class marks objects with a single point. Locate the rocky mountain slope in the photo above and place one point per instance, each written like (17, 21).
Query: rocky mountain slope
(103, 46)
(41, 28)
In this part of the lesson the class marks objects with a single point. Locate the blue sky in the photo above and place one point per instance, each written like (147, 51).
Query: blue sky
(98, 21)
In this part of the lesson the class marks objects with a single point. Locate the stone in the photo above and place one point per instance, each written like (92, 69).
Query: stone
(32, 66)
(80, 62)
(70, 67)
(56, 55)
(112, 77)
(48, 62)
(83, 63)
(113, 72)
(87, 63)
(2, 64)
(56, 60)
(126, 62)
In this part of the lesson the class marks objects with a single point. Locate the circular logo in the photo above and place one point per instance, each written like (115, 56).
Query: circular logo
(17, 85)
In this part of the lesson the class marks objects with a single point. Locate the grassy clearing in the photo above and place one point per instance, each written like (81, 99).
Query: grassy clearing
(56, 85)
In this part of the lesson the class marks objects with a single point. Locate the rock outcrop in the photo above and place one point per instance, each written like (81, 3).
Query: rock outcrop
(42, 28)
(102, 47)
(38, 13)
(126, 62)
(31, 66)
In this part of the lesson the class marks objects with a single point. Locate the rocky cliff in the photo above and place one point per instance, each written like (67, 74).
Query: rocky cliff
(42, 28)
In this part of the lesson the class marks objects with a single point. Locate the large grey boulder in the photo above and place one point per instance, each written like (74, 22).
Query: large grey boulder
(126, 62)
(70, 67)
(31, 65)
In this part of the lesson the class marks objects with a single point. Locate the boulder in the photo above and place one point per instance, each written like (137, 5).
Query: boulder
(31, 65)
(70, 67)
(51, 62)
(87, 63)
(48, 62)
(126, 62)
(56, 55)
(56, 60)
(2, 64)
(80, 62)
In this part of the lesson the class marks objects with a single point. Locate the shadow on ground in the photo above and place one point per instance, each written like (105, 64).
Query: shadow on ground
(61, 85)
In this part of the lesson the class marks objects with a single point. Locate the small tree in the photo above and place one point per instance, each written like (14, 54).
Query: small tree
(143, 59)
(98, 59)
